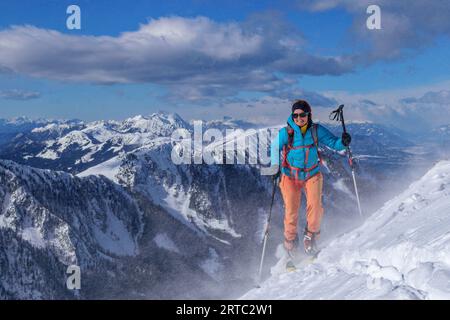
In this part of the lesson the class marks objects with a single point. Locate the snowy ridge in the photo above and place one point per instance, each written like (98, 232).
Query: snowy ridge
(50, 219)
(150, 169)
(114, 135)
(402, 251)
(74, 146)
(31, 206)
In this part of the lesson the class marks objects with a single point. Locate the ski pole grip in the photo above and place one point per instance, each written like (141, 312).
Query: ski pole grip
(341, 114)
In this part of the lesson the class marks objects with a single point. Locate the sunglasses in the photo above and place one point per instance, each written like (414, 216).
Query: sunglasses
(301, 115)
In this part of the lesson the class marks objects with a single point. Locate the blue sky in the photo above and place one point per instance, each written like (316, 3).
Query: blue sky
(216, 58)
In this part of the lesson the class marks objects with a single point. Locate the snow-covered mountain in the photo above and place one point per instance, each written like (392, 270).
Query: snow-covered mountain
(9, 128)
(401, 252)
(175, 230)
(227, 123)
(126, 246)
(51, 219)
(74, 146)
(224, 205)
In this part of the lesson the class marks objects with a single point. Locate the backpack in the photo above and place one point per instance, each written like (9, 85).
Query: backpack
(289, 146)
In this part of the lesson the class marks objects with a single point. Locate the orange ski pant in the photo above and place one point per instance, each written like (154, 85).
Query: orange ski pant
(291, 190)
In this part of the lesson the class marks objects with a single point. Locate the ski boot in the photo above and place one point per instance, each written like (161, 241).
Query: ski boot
(291, 247)
(309, 243)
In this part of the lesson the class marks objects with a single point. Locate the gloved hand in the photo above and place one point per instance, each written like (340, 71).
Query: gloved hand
(346, 139)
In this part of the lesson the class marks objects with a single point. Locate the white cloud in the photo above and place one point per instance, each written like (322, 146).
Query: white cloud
(263, 111)
(412, 109)
(16, 94)
(428, 107)
(431, 97)
(193, 56)
(219, 41)
(405, 25)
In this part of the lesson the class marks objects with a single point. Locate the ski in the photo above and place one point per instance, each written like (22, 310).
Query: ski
(291, 266)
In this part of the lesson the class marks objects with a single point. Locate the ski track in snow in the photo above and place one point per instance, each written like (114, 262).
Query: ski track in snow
(402, 251)
(212, 266)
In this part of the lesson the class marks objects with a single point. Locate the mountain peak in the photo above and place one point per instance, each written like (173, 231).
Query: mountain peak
(160, 123)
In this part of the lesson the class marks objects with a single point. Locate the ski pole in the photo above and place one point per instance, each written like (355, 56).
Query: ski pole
(266, 232)
(338, 115)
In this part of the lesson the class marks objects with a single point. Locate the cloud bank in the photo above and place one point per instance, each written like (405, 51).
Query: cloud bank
(406, 25)
(193, 57)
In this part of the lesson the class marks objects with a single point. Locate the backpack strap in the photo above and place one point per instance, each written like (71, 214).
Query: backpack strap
(316, 140)
(314, 134)
(286, 148)
(290, 132)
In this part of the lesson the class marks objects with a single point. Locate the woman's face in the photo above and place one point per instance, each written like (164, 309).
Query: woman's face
(300, 117)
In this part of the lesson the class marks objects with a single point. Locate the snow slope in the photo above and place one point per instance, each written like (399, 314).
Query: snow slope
(55, 210)
(402, 251)
(122, 243)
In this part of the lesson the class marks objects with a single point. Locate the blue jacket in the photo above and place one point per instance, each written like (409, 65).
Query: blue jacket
(296, 157)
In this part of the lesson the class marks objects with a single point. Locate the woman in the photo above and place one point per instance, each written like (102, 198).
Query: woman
(299, 162)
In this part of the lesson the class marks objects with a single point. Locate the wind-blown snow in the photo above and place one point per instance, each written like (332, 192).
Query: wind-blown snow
(340, 185)
(212, 265)
(402, 251)
(162, 240)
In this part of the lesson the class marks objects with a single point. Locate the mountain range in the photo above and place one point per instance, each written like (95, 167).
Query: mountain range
(106, 196)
